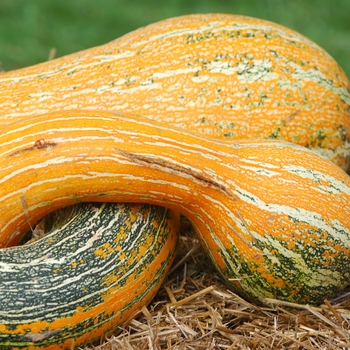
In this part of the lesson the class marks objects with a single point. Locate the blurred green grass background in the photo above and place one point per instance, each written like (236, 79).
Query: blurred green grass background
(29, 29)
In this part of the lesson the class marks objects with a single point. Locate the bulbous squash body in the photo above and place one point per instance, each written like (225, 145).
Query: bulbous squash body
(273, 216)
(225, 76)
(99, 265)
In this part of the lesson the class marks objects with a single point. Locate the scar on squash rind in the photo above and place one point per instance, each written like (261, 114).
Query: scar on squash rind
(167, 166)
(38, 144)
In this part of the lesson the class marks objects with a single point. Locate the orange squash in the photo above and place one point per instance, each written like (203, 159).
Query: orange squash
(225, 76)
(272, 215)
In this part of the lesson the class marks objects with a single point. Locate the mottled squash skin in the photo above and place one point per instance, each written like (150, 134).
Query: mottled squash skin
(273, 216)
(225, 76)
(99, 265)
(269, 210)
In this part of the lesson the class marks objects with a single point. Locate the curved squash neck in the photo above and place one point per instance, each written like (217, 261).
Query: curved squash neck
(239, 196)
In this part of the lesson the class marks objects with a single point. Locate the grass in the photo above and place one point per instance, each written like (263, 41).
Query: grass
(28, 30)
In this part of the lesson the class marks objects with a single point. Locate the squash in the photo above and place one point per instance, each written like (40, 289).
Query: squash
(85, 277)
(272, 215)
(225, 76)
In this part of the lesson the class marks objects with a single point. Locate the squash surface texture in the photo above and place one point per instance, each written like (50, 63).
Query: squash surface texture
(86, 276)
(272, 215)
(225, 76)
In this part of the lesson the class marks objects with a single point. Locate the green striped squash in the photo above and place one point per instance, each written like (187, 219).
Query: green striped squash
(273, 216)
(98, 265)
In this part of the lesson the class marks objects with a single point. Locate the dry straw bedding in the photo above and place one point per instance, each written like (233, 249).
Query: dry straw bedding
(194, 309)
